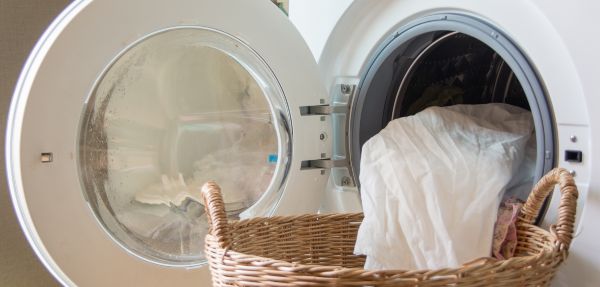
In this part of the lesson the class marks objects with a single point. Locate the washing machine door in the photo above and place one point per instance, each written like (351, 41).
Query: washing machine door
(125, 108)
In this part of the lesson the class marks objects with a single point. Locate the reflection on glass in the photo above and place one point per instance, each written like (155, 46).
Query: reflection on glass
(178, 109)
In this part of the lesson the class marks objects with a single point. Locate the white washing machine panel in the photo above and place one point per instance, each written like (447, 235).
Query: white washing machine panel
(87, 88)
(550, 35)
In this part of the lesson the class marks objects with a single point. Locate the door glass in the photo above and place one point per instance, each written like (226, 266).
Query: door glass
(174, 110)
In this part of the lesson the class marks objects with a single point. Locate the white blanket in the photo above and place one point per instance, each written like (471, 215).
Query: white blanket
(431, 184)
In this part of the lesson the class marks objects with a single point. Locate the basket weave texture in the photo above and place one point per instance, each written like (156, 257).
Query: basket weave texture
(317, 250)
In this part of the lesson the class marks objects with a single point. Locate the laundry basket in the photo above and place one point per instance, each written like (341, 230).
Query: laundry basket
(317, 249)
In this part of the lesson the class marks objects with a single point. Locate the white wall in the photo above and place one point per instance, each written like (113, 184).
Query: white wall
(315, 19)
(21, 23)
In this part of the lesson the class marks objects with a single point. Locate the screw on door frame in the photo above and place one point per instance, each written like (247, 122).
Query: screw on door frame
(346, 181)
(346, 89)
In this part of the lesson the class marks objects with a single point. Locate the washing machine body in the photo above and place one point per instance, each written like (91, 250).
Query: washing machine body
(380, 46)
(123, 106)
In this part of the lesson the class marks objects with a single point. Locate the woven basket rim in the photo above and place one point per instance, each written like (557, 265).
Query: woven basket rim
(464, 267)
(539, 251)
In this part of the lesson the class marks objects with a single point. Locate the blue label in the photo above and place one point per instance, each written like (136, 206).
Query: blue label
(272, 158)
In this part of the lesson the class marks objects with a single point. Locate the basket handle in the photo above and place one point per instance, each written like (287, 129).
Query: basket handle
(214, 208)
(566, 209)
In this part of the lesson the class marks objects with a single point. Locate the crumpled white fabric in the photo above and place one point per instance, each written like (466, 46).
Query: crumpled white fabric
(431, 184)
(523, 180)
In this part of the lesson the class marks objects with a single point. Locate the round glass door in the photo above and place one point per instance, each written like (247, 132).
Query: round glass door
(174, 110)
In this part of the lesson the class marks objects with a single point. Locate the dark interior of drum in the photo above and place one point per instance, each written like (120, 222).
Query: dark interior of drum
(454, 69)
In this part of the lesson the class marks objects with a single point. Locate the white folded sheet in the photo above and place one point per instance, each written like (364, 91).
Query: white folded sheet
(431, 184)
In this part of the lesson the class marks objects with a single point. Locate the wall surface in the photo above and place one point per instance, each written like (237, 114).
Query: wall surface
(21, 23)
(315, 19)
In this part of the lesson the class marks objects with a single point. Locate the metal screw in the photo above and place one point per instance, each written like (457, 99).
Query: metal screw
(322, 136)
(323, 155)
(573, 138)
(346, 89)
(46, 157)
(572, 172)
(322, 118)
(346, 181)
(322, 101)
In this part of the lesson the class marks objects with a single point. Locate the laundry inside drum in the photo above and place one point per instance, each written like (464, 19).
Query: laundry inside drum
(175, 110)
(445, 68)
(458, 138)
(455, 69)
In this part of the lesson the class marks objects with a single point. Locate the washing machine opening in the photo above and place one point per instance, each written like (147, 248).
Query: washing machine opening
(428, 64)
(453, 69)
(174, 110)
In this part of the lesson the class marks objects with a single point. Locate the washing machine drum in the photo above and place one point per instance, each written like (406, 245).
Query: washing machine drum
(423, 64)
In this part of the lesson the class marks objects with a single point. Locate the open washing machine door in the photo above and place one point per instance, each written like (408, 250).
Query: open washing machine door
(125, 108)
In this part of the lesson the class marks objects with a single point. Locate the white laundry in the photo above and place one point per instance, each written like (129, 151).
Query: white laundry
(523, 180)
(431, 184)
(229, 167)
(167, 192)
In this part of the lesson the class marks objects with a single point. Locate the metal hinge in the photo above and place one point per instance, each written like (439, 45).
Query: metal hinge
(338, 110)
(324, 163)
(340, 103)
(323, 110)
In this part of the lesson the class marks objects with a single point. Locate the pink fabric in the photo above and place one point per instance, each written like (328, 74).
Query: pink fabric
(505, 230)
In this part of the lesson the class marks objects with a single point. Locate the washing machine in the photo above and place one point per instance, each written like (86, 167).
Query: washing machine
(125, 108)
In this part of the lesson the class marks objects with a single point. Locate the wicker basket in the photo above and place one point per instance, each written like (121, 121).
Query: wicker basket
(316, 250)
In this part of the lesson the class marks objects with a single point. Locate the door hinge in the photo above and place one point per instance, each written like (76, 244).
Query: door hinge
(323, 110)
(339, 111)
(324, 163)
